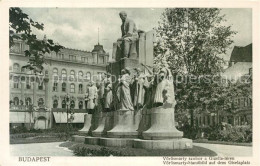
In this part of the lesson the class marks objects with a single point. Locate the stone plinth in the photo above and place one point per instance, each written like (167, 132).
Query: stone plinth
(92, 140)
(125, 125)
(77, 138)
(162, 125)
(105, 123)
(116, 142)
(87, 124)
(181, 143)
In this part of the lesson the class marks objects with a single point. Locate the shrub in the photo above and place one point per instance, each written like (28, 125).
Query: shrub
(83, 151)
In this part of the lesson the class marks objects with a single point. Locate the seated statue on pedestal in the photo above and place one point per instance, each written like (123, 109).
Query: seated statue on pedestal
(127, 43)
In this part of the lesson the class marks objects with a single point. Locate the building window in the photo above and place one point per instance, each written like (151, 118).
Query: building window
(72, 73)
(28, 83)
(40, 102)
(63, 104)
(81, 105)
(22, 69)
(28, 101)
(55, 86)
(80, 88)
(64, 73)
(16, 67)
(250, 71)
(55, 103)
(16, 48)
(83, 59)
(103, 59)
(55, 71)
(88, 76)
(16, 82)
(63, 87)
(80, 74)
(40, 86)
(72, 88)
(72, 104)
(16, 101)
(72, 57)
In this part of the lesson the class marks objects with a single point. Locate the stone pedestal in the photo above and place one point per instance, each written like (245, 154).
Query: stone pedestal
(125, 125)
(162, 133)
(87, 124)
(162, 125)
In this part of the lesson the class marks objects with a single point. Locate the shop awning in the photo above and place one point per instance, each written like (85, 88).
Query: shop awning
(20, 117)
(61, 117)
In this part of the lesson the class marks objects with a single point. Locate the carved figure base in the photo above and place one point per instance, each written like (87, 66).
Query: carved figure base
(105, 123)
(162, 125)
(125, 125)
(87, 124)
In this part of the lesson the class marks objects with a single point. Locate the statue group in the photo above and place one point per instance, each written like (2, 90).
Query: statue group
(138, 103)
(134, 90)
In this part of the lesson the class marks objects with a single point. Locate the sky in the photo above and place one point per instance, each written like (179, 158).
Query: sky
(78, 27)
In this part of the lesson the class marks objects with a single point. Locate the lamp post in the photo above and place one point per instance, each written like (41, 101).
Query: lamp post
(67, 99)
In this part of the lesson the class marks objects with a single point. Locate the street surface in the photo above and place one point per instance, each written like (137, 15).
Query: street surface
(228, 150)
(39, 149)
(53, 149)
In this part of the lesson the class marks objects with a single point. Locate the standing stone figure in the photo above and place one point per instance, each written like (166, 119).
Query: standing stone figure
(123, 91)
(108, 95)
(165, 90)
(91, 97)
(129, 35)
(139, 91)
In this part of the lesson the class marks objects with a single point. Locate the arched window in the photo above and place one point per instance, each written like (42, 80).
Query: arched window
(72, 88)
(22, 69)
(80, 74)
(55, 86)
(72, 104)
(16, 82)
(63, 73)
(28, 101)
(40, 86)
(55, 71)
(63, 87)
(40, 102)
(28, 83)
(16, 101)
(63, 104)
(16, 67)
(88, 76)
(80, 104)
(55, 103)
(80, 88)
(72, 73)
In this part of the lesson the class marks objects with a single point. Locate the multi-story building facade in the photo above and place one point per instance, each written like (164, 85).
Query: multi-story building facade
(67, 72)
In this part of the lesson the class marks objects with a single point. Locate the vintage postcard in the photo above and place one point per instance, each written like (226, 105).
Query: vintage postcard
(134, 83)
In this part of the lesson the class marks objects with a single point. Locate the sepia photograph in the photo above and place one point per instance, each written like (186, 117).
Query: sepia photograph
(130, 82)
